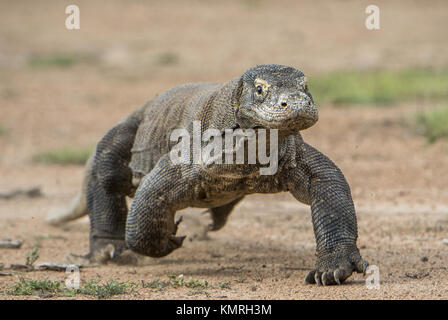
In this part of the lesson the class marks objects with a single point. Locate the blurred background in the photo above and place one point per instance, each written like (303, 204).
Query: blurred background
(382, 94)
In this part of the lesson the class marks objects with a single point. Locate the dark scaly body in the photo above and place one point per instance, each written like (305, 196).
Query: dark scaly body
(132, 160)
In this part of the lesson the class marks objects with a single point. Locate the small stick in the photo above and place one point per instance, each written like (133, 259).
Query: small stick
(51, 266)
(9, 244)
(19, 266)
(30, 193)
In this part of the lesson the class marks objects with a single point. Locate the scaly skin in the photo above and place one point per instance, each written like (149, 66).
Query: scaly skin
(133, 160)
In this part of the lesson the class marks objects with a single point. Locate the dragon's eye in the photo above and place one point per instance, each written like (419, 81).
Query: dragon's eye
(259, 90)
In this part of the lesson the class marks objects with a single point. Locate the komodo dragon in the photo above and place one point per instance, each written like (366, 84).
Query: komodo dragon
(133, 160)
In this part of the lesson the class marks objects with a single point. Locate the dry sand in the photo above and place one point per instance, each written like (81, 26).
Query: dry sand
(398, 181)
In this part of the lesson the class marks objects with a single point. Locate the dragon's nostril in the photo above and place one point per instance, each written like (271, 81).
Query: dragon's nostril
(284, 104)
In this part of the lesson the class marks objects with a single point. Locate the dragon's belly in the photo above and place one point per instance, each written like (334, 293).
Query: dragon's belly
(216, 188)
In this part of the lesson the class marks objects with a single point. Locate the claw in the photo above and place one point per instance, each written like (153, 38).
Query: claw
(110, 251)
(365, 265)
(317, 278)
(338, 275)
(309, 279)
(178, 240)
(327, 278)
(361, 266)
(176, 224)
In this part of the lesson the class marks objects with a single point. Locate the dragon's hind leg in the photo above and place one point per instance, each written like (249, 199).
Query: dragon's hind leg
(220, 215)
(109, 182)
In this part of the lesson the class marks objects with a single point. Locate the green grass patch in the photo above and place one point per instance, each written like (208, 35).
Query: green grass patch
(32, 256)
(38, 238)
(27, 287)
(56, 288)
(156, 284)
(379, 87)
(108, 289)
(63, 156)
(224, 285)
(2, 130)
(60, 60)
(49, 288)
(179, 281)
(433, 124)
(167, 59)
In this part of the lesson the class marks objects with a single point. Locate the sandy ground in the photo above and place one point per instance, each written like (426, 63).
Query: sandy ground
(398, 181)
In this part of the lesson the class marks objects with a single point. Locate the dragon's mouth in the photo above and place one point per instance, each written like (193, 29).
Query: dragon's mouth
(298, 123)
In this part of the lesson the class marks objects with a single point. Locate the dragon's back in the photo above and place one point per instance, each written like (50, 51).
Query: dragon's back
(176, 108)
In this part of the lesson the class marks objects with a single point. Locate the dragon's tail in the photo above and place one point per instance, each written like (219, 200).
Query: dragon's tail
(77, 208)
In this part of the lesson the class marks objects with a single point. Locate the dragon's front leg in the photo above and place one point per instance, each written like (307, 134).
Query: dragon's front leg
(316, 180)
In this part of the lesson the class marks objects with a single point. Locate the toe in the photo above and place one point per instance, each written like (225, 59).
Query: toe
(318, 277)
(340, 275)
(177, 241)
(177, 223)
(309, 279)
(361, 266)
(328, 278)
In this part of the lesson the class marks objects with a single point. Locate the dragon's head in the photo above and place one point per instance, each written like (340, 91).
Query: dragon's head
(275, 97)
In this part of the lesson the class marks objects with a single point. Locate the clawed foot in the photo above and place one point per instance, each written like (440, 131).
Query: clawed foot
(177, 223)
(106, 251)
(176, 241)
(335, 267)
(217, 222)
